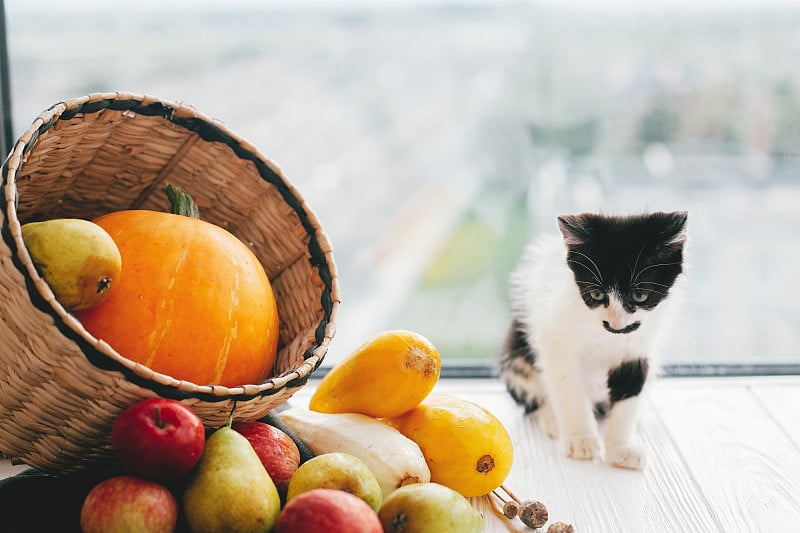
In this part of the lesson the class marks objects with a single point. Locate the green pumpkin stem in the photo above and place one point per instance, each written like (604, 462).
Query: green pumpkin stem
(181, 203)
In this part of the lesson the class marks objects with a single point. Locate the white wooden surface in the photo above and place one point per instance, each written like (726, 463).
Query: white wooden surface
(724, 456)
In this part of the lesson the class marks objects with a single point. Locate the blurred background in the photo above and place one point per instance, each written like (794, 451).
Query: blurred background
(433, 139)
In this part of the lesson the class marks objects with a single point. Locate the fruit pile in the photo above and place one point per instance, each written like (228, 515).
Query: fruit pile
(410, 472)
(247, 477)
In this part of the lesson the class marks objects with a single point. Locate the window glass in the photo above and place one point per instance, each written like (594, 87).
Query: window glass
(433, 139)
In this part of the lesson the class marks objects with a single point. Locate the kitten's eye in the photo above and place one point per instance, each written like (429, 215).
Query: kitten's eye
(639, 296)
(598, 295)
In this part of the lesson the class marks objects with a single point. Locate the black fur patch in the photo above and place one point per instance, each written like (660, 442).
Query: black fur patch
(637, 257)
(627, 380)
(530, 404)
(601, 410)
(626, 329)
(516, 344)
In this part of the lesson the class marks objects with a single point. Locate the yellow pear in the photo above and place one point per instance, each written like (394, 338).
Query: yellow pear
(77, 258)
(230, 490)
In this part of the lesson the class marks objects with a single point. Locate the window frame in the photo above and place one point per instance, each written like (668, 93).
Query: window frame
(6, 128)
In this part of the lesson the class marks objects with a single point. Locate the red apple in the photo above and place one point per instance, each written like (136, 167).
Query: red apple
(158, 439)
(126, 503)
(326, 510)
(276, 449)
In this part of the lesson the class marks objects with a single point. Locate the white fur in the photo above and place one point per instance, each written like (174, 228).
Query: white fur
(575, 352)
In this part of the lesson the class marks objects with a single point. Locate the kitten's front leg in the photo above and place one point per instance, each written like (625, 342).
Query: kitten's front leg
(574, 415)
(625, 383)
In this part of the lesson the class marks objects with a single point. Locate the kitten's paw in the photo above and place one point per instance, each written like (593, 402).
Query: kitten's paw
(629, 456)
(584, 447)
(545, 418)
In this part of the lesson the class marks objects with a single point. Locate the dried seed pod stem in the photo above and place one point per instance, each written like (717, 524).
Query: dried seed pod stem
(511, 494)
(499, 512)
(510, 507)
(499, 496)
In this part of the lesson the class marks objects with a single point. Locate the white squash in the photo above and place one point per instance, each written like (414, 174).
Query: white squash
(393, 458)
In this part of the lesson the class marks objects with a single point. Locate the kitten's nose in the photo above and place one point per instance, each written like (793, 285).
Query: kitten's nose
(617, 316)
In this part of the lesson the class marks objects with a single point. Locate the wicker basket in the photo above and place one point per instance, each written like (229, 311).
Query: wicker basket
(61, 388)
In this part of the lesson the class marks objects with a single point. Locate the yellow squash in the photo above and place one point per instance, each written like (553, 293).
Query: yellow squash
(467, 448)
(384, 377)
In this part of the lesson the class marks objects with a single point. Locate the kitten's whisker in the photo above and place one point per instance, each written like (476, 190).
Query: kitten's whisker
(651, 283)
(586, 267)
(636, 264)
(599, 275)
(589, 290)
(653, 266)
(656, 292)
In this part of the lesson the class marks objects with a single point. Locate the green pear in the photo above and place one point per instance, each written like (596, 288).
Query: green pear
(77, 258)
(428, 508)
(230, 490)
(336, 470)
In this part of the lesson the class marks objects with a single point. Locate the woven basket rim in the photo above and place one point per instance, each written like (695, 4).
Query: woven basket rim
(100, 353)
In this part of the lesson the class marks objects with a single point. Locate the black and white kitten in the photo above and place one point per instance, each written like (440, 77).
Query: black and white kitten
(587, 308)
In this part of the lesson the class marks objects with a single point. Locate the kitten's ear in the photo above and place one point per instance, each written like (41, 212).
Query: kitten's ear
(675, 228)
(573, 229)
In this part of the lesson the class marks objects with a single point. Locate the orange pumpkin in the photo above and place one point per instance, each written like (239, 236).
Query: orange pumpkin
(193, 301)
